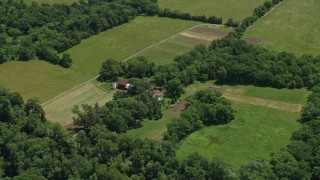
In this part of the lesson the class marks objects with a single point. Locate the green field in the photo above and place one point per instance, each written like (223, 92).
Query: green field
(59, 109)
(293, 26)
(255, 133)
(166, 51)
(295, 96)
(52, 1)
(44, 80)
(261, 125)
(237, 9)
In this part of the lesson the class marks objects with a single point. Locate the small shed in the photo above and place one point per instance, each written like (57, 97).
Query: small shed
(156, 94)
(214, 88)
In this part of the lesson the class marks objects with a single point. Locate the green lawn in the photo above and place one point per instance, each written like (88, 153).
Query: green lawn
(255, 133)
(237, 9)
(293, 26)
(44, 80)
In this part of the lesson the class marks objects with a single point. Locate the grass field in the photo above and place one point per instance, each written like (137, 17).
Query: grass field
(265, 119)
(59, 109)
(237, 9)
(44, 80)
(264, 122)
(166, 51)
(295, 96)
(255, 133)
(52, 1)
(294, 26)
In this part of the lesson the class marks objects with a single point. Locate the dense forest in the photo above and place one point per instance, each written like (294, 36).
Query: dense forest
(44, 31)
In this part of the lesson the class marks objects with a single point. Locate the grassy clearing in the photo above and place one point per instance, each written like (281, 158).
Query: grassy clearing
(294, 26)
(44, 80)
(60, 109)
(166, 51)
(153, 129)
(223, 8)
(255, 133)
(296, 96)
(51, 1)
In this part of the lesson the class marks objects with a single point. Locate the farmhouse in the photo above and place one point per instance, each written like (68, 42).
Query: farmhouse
(121, 84)
(156, 94)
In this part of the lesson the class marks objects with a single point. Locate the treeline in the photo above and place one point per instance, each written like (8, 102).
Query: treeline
(175, 14)
(257, 13)
(206, 107)
(138, 67)
(233, 61)
(44, 31)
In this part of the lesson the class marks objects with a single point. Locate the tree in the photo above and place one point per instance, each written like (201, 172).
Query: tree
(65, 60)
(106, 150)
(174, 89)
(33, 106)
(88, 117)
(111, 70)
(104, 172)
(220, 170)
(5, 110)
(138, 86)
(258, 169)
(285, 166)
(26, 53)
(15, 99)
(2, 166)
(140, 67)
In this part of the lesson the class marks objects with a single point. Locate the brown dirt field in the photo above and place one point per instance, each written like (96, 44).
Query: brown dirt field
(191, 40)
(179, 107)
(253, 41)
(210, 31)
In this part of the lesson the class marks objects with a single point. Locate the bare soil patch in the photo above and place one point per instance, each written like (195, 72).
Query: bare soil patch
(179, 107)
(191, 40)
(210, 31)
(198, 36)
(253, 41)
